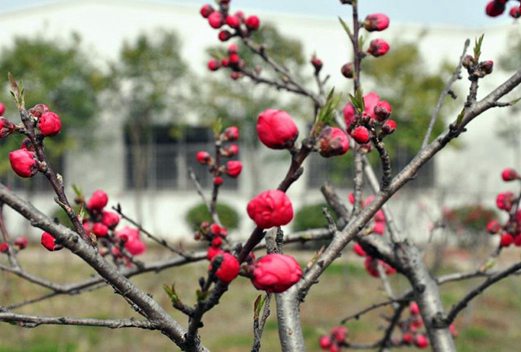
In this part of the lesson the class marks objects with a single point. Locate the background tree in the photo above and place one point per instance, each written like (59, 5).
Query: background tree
(149, 87)
(60, 74)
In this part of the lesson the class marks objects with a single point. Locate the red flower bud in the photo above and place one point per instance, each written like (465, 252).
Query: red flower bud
(493, 227)
(135, 247)
(229, 268)
(212, 252)
(407, 338)
(4, 247)
(215, 19)
(6, 127)
(206, 10)
(270, 208)
(49, 242)
(333, 141)
(127, 234)
(276, 129)
(23, 162)
(486, 66)
(347, 70)
(233, 21)
(506, 240)
(371, 99)
(213, 64)
(100, 230)
(379, 216)
(325, 342)
(225, 62)
(110, 219)
(49, 124)
(216, 229)
(233, 48)
(235, 75)
(2, 109)
(234, 59)
(357, 248)
(231, 133)
(232, 150)
(203, 157)
(252, 22)
(378, 228)
(360, 134)
(218, 180)
(509, 174)
(494, 8)
(339, 333)
(21, 242)
(98, 200)
(217, 242)
(504, 201)
(517, 240)
(453, 331)
(224, 36)
(421, 341)
(233, 168)
(276, 273)
(87, 226)
(334, 348)
(515, 12)
(382, 110)
(414, 309)
(389, 126)
(378, 47)
(317, 63)
(371, 267)
(376, 22)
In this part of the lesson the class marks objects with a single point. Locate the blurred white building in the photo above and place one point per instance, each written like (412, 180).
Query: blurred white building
(470, 174)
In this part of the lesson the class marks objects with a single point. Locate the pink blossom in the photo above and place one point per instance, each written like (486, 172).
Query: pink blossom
(276, 273)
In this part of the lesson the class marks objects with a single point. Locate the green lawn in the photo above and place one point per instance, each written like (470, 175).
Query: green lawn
(490, 324)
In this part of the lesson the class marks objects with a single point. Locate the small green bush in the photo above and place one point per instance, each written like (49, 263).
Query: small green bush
(199, 213)
(311, 217)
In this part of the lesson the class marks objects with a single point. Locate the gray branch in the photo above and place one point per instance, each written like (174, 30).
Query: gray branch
(32, 321)
(145, 304)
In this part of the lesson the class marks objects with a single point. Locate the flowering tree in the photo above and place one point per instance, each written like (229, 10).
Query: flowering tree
(362, 125)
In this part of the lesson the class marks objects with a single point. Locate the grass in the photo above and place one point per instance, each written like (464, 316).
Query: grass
(489, 324)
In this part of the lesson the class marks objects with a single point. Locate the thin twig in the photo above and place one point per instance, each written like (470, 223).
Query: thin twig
(455, 76)
(456, 309)
(154, 238)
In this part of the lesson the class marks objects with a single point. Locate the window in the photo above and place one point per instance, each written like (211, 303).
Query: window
(165, 161)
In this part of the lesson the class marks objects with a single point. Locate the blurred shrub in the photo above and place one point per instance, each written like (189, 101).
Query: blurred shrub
(469, 222)
(311, 217)
(199, 213)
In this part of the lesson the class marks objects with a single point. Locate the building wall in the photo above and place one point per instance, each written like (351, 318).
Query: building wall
(467, 174)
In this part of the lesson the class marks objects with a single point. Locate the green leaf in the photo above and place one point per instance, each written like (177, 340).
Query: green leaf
(477, 47)
(201, 295)
(326, 115)
(217, 127)
(460, 117)
(358, 100)
(77, 191)
(172, 294)
(346, 27)
(258, 305)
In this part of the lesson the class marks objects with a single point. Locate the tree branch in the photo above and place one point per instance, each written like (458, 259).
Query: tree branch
(32, 321)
